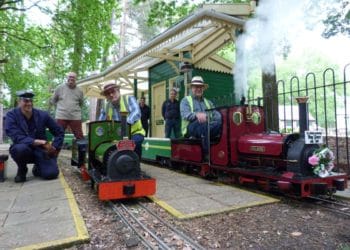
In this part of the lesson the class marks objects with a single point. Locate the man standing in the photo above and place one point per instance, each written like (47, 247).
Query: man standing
(26, 127)
(118, 104)
(171, 115)
(145, 114)
(69, 100)
(195, 118)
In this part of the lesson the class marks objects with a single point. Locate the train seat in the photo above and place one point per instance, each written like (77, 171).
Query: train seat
(194, 141)
(188, 141)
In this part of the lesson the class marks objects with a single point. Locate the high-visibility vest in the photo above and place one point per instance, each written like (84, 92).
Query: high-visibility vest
(184, 123)
(136, 128)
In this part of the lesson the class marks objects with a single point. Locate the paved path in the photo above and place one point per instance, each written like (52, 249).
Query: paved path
(38, 214)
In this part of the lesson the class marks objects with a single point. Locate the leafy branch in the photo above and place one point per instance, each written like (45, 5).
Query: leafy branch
(3, 32)
(10, 5)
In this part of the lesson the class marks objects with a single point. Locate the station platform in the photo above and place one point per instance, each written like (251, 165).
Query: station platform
(344, 194)
(38, 214)
(186, 196)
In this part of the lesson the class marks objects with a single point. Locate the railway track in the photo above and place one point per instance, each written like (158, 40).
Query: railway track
(152, 231)
(332, 204)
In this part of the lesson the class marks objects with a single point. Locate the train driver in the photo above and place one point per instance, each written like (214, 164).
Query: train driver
(26, 127)
(194, 118)
(118, 104)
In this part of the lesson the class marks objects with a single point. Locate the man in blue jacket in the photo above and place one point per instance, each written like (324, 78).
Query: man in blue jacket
(26, 127)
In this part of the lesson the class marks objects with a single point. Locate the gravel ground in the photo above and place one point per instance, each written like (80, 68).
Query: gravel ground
(284, 225)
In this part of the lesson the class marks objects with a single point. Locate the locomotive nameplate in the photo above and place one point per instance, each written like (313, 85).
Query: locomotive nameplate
(313, 137)
(126, 145)
(257, 148)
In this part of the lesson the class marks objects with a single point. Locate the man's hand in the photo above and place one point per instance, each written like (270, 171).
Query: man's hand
(50, 150)
(201, 117)
(38, 142)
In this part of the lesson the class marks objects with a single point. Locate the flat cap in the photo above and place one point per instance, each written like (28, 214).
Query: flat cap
(25, 94)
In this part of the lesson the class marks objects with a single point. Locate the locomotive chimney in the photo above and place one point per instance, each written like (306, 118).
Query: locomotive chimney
(303, 114)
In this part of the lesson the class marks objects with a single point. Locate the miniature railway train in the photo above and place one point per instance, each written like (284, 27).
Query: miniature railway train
(244, 153)
(113, 166)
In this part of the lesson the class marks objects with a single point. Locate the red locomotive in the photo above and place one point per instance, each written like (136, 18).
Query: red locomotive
(246, 154)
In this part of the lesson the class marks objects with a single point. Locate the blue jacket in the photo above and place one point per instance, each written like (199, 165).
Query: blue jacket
(16, 128)
(171, 110)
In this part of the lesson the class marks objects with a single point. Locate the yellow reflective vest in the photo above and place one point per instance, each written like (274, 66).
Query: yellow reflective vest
(136, 128)
(184, 123)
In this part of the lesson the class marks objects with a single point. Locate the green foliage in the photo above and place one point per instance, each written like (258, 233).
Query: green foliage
(38, 58)
(165, 13)
(83, 30)
(338, 20)
(228, 52)
(21, 47)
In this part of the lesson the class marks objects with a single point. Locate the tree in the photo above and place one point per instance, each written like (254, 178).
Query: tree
(166, 13)
(338, 20)
(82, 29)
(21, 46)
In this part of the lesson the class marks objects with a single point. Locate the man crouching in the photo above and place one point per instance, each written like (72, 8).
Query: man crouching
(26, 127)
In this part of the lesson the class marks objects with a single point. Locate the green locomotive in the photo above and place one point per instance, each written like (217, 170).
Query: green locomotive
(112, 163)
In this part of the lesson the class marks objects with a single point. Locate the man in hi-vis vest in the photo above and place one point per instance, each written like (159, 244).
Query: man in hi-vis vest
(118, 104)
(194, 118)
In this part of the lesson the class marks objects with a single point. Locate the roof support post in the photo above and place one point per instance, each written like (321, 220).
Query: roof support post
(135, 88)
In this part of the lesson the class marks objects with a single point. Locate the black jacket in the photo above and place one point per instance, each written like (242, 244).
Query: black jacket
(171, 110)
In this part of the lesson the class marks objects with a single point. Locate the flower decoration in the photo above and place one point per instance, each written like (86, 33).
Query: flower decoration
(322, 162)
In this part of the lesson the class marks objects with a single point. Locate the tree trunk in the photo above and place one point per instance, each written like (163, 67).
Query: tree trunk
(78, 43)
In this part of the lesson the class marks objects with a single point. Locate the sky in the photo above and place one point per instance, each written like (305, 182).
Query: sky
(293, 23)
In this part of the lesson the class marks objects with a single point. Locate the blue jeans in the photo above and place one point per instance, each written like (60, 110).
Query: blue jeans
(200, 130)
(172, 125)
(138, 139)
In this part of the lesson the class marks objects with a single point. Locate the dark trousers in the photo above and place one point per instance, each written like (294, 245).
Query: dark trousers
(172, 125)
(75, 126)
(23, 154)
(145, 127)
(200, 130)
(138, 139)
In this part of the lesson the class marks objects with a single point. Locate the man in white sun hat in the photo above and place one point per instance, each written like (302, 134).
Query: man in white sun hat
(195, 118)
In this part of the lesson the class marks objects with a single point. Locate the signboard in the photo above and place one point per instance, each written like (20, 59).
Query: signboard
(313, 137)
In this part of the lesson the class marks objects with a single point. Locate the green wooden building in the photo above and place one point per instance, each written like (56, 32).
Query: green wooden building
(157, 65)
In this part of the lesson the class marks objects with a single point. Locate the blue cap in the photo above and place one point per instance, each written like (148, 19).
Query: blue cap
(28, 94)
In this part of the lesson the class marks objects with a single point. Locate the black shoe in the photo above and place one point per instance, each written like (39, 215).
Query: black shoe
(35, 171)
(20, 178)
(21, 174)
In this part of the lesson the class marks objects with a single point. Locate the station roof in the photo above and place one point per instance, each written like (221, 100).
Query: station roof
(202, 34)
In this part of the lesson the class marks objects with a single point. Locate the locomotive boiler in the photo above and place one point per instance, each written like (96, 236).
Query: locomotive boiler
(245, 153)
(113, 166)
